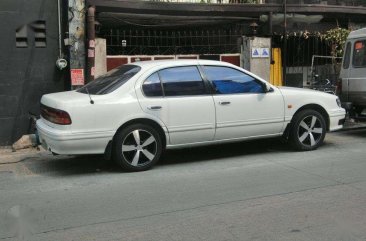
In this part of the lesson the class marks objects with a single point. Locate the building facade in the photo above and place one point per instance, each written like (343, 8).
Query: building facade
(37, 33)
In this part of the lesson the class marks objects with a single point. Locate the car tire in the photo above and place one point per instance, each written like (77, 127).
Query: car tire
(137, 147)
(307, 131)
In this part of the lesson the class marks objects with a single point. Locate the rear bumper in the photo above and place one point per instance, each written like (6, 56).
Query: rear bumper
(66, 142)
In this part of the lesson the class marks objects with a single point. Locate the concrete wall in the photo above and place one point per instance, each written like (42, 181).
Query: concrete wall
(100, 57)
(257, 65)
(27, 71)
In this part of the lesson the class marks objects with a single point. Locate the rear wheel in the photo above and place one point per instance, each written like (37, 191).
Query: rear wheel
(308, 130)
(137, 147)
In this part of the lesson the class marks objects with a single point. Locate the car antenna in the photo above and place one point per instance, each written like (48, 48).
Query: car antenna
(87, 91)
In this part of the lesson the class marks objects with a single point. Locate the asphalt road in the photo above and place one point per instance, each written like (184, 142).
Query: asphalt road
(257, 190)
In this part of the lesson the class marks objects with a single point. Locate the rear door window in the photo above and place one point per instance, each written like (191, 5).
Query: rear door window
(359, 54)
(182, 81)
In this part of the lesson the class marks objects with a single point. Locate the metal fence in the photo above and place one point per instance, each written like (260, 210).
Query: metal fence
(300, 2)
(172, 42)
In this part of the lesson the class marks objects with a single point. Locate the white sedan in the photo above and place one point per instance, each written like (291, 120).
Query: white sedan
(136, 111)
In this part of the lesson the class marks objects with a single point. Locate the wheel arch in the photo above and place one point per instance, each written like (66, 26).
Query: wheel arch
(145, 121)
(316, 107)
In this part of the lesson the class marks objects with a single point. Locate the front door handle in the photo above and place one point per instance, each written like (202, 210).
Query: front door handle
(155, 107)
(224, 102)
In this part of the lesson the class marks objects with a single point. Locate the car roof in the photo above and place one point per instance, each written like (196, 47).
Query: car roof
(175, 62)
(357, 33)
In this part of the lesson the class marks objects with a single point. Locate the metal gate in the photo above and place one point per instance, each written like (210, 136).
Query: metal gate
(301, 68)
(173, 42)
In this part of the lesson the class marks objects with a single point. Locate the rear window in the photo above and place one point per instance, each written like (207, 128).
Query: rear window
(110, 81)
(359, 54)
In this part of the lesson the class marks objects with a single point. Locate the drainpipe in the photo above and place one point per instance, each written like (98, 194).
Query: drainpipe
(284, 41)
(91, 43)
(59, 29)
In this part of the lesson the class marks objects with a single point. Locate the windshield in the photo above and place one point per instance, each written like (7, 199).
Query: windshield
(110, 81)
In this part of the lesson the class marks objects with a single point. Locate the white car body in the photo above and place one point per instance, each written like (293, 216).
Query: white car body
(186, 120)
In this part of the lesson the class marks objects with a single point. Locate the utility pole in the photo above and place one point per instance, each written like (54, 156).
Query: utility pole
(77, 42)
(91, 43)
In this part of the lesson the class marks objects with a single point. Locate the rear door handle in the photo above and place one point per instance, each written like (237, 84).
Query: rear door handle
(155, 107)
(224, 102)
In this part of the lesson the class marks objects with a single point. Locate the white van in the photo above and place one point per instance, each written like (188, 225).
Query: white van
(352, 85)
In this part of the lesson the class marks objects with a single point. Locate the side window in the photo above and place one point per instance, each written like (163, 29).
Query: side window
(226, 80)
(152, 86)
(347, 56)
(359, 54)
(180, 81)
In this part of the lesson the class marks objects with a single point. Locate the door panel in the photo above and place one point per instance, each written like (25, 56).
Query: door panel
(243, 109)
(344, 74)
(357, 77)
(249, 115)
(188, 119)
(186, 109)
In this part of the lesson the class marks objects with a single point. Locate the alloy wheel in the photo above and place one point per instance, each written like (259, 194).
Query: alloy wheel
(310, 131)
(139, 148)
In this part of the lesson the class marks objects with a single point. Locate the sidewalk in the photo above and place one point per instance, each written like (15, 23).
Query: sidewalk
(8, 156)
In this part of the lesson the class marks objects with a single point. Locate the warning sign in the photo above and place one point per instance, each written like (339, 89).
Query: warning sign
(260, 52)
(265, 52)
(256, 53)
(77, 77)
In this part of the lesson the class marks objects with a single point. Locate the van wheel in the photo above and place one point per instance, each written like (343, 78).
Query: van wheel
(308, 130)
(137, 147)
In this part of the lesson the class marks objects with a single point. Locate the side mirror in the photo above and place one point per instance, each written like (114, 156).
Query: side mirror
(267, 87)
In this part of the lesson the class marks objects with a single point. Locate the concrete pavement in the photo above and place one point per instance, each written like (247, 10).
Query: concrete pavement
(245, 191)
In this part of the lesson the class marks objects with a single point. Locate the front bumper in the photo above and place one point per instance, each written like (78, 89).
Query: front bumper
(337, 119)
(69, 143)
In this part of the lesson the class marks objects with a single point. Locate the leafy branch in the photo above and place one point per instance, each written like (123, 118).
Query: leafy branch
(336, 38)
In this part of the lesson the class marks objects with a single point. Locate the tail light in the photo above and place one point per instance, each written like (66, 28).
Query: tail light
(338, 89)
(55, 116)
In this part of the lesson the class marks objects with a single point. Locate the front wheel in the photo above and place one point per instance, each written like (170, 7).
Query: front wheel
(308, 130)
(137, 147)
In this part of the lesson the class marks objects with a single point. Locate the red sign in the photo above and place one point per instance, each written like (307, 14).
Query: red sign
(77, 77)
(358, 45)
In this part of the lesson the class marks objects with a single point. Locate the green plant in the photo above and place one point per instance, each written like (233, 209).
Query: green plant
(336, 38)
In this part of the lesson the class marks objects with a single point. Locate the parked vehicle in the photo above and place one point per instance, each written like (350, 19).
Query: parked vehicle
(323, 85)
(138, 110)
(352, 88)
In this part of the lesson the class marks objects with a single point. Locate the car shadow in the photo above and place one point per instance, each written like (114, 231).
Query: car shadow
(96, 164)
(358, 132)
(228, 150)
(63, 165)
